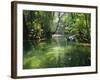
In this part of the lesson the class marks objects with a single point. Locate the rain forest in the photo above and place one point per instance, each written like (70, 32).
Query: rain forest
(54, 39)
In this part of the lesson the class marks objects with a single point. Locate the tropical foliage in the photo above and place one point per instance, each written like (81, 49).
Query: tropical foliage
(56, 39)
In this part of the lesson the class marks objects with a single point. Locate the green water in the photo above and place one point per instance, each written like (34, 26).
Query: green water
(55, 53)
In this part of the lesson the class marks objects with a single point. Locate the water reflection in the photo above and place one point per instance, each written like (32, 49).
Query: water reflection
(56, 52)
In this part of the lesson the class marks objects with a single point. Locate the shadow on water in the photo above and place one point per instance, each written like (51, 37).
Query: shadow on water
(77, 56)
(27, 45)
